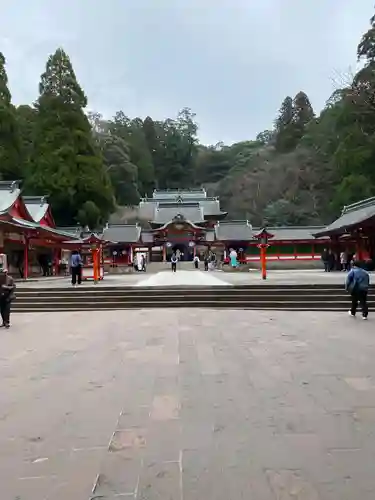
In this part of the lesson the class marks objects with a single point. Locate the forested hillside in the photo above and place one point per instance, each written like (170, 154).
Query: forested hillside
(301, 171)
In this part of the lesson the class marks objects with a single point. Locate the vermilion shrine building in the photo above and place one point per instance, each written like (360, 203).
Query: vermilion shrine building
(191, 222)
(184, 220)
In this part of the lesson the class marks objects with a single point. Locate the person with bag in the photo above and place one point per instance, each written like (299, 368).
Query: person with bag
(174, 260)
(76, 266)
(357, 284)
(7, 295)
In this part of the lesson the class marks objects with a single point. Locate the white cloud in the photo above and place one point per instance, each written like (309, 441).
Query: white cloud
(231, 61)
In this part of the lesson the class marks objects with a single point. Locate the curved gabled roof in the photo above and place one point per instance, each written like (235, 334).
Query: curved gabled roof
(164, 213)
(235, 230)
(351, 216)
(37, 206)
(9, 193)
(122, 233)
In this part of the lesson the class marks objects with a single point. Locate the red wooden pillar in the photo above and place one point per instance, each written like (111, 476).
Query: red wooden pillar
(263, 261)
(358, 249)
(95, 263)
(26, 258)
(164, 253)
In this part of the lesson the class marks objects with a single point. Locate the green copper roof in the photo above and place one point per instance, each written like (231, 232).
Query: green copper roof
(122, 233)
(352, 215)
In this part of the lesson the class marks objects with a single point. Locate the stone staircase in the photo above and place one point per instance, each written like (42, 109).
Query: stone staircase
(276, 297)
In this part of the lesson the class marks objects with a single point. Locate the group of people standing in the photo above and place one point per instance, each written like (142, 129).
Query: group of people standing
(337, 262)
(210, 261)
(140, 262)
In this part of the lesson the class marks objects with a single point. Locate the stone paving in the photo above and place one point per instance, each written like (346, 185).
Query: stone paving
(187, 405)
(274, 277)
(183, 278)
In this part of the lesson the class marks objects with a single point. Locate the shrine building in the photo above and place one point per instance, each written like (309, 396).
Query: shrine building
(192, 222)
(170, 220)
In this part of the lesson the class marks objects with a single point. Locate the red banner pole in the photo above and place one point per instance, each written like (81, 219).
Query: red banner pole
(263, 261)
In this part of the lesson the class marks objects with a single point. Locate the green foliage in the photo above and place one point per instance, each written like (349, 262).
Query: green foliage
(351, 189)
(89, 215)
(65, 162)
(290, 125)
(366, 47)
(122, 172)
(132, 133)
(266, 137)
(10, 145)
(284, 213)
(26, 117)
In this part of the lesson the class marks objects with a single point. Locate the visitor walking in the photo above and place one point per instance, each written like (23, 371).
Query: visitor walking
(233, 258)
(143, 262)
(357, 284)
(76, 266)
(196, 262)
(174, 260)
(344, 261)
(206, 261)
(7, 295)
(332, 261)
(325, 260)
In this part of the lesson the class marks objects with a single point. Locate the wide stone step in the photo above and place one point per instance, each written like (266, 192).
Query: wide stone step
(178, 288)
(274, 304)
(189, 297)
(93, 291)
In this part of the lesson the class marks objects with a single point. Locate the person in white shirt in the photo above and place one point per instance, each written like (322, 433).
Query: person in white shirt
(196, 262)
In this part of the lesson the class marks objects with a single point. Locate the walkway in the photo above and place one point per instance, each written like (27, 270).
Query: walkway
(172, 404)
(183, 278)
(195, 277)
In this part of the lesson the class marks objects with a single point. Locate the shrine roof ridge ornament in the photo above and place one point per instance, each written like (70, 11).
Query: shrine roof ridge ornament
(9, 185)
(36, 200)
(368, 202)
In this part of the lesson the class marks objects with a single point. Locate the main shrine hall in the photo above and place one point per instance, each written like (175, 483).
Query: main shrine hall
(192, 222)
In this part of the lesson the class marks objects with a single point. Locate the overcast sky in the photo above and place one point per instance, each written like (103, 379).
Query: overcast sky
(231, 61)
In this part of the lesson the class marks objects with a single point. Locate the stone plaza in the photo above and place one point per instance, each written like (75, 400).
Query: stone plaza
(187, 404)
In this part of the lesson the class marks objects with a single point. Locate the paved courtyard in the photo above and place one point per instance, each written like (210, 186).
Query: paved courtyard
(187, 405)
(197, 278)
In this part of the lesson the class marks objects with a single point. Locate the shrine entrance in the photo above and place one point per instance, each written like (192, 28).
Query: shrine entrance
(180, 236)
(183, 251)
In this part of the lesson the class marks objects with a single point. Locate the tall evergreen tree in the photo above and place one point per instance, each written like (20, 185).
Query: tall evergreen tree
(10, 146)
(131, 131)
(302, 110)
(66, 163)
(284, 137)
(302, 114)
(285, 114)
(123, 174)
(366, 47)
(26, 119)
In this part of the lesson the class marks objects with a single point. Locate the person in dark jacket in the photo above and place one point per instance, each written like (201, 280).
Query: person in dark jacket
(174, 260)
(357, 284)
(7, 295)
(206, 261)
(76, 266)
(325, 260)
